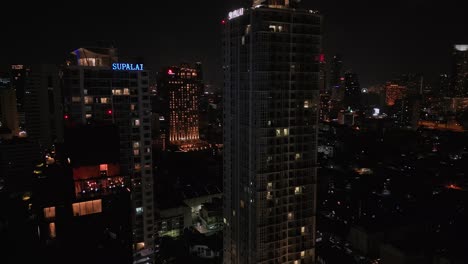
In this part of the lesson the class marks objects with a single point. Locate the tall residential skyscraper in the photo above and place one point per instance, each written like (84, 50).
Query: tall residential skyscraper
(460, 71)
(352, 95)
(336, 77)
(19, 72)
(8, 110)
(179, 88)
(443, 88)
(100, 89)
(393, 92)
(43, 105)
(271, 103)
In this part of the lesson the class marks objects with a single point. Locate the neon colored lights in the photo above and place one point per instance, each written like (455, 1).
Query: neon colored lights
(321, 58)
(127, 67)
(170, 72)
(109, 112)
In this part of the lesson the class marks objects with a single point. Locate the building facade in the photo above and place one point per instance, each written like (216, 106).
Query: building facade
(43, 105)
(336, 77)
(271, 108)
(8, 110)
(180, 89)
(394, 92)
(352, 95)
(99, 89)
(460, 71)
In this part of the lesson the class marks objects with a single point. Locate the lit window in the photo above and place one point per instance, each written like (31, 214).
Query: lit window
(116, 91)
(290, 216)
(126, 91)
(87, 208)
(103, 167)
(298, 190)
(269, 196)
(105, 100)
(136, 144)
(278, 132)
(139, 210)
(49, 212)
(303, 230)
(302, 254)
(88, 116)
(269, 159)
(137, 166)
(269, 123)
(140, 245)
(306, 104)
(136, 122)
(296, 262)
(88, 99)
(242, 204)
(52, 233)
(269, 186)
(76, 99)
(298, 156)
(286, 131)
(136, 152)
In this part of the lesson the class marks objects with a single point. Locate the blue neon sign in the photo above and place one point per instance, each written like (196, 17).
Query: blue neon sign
(117, 66)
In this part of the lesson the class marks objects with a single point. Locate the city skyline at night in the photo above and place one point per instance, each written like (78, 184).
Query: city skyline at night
(375, 39)
(234, 132)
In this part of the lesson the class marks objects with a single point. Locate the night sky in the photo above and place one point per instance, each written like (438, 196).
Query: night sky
(378, 39)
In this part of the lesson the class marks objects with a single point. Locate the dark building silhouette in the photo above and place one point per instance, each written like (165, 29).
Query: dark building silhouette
(352, 87)
(336, 77)
(460, 71)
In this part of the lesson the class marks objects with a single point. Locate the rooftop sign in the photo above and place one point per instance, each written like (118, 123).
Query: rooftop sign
(236, 13)
(117, 66)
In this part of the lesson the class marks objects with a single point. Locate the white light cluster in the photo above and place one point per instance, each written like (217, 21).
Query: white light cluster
(236, 13)
(461, 47)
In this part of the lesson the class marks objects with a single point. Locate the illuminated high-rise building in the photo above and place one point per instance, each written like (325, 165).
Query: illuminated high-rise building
(179, 88)
(393, 92)
(271, 108)
(460, 71)
(100, 89)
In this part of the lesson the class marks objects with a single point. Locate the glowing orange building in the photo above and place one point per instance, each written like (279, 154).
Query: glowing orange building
(393, 92)
(180, 87)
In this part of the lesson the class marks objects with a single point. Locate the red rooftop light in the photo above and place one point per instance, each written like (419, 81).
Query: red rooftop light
(109, 112)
